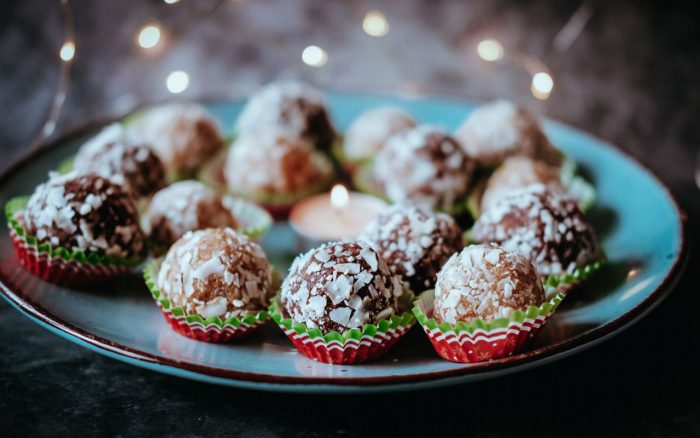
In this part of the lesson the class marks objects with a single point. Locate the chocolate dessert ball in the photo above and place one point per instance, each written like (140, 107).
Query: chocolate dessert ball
(184, 206)
(296, 108)
(86, 213)
(216, 272)
(423, 165)
(516, 173)
(486, 282)
(546, 227)
(116, 155)
(370, 131)
(414, 242)
(272, 163)
(183, 135)
(501, 129)
(340, 286)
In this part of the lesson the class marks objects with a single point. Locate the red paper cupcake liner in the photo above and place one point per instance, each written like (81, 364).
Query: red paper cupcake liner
(352, 347)
(482, 341)
(209, 332)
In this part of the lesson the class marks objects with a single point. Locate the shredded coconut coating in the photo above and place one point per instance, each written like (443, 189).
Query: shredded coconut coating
(216, 272)
(270, 162)
(340, 286)
(184, 206)
(501, 129)
(516, 173)
(85, 213)
(370, 131)
(293, 107)
(546, 227)
(183, 135)
(114, 154)
(423, 165)
(414, 242)
(487, 282)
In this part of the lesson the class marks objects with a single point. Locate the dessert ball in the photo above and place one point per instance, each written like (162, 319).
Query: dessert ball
(116, 155)
(296, 108)
(340, 286)
(546, 227)
(216, 272)
(184, 206)
(414, 242)
(272, 163)
(86, 213)
(501, 129)
(486, 282)
(518, 172)
(370, 131)
(183, 135)
(423, 165)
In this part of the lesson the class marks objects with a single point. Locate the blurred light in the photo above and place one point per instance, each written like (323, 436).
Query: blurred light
(170, 2)
(339, 196)
(67, 51)
(149, 36)
(177, 81)
(542, 85)
(490, 50)
(375, 24)
(314, 56)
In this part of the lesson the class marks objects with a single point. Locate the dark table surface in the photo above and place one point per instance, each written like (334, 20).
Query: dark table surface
(631, 77)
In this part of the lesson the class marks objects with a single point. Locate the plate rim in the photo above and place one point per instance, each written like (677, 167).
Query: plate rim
(500, 366)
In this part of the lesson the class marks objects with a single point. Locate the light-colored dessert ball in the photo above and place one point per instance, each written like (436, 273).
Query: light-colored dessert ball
(340, 286)
(85, 212)
(518, 172)
(423, 165)
(114, 154)
(293, 107)
(183, 135)
(501, 129)
(415, 242)
(367, 135)
(485, 282)
(272, 163)
(216, 272)
(547, 227)
(185, 206)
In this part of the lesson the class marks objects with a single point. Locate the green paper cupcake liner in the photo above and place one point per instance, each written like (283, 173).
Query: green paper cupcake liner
(354, 346)
(57, 264)
(481, 340)
(212, 329)
(554, 284)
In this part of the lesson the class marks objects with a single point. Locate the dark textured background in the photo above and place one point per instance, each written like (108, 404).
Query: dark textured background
(631, 78)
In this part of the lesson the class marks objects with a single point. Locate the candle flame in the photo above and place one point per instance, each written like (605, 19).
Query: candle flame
(542, 85)
(490, 50)
(339, 196)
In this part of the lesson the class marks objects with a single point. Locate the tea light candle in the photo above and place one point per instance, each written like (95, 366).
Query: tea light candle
(336, 215)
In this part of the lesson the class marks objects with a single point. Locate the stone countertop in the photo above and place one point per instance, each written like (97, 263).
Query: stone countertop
(630, 78)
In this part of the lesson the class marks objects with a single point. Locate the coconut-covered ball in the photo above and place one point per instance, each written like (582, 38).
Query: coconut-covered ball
(183, 135)
(85, 212)
(370, 131)
(423, 165)
(518, 172)
(486, 282)
(296, 108)
(547, 227)
(502, 129)
(216, 272)
(414, 242)
(184, 206)
(118, 156)
(272, 163)
(340, 286)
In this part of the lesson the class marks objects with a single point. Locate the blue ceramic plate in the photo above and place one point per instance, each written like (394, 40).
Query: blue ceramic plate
(640, 226)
